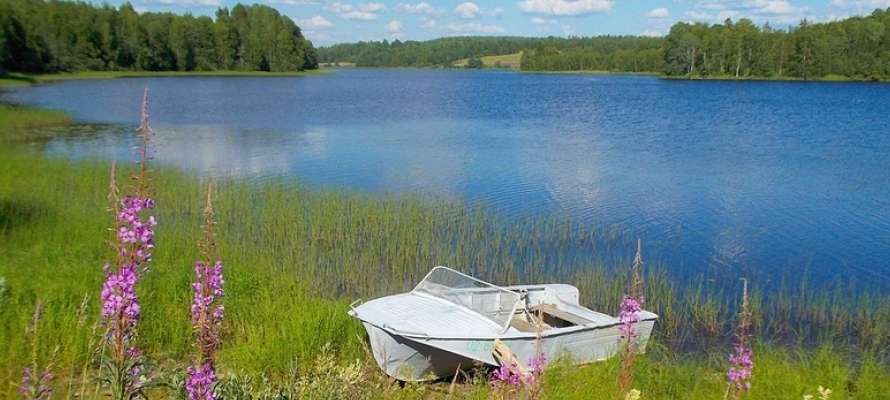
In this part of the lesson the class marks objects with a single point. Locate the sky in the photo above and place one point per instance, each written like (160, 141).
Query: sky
(327, 22)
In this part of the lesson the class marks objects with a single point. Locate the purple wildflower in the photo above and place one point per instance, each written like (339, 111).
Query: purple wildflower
(200, 382)
(33, 384)
(740, 368)
(629, 316)
(505, 375)
(511, 379)
(122, 367)
(741, 361)
(207, 317)
(207, 314)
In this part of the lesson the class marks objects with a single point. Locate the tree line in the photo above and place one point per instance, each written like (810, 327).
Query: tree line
(38, 36)
(856, 47)
(601, 53)
(437, 53)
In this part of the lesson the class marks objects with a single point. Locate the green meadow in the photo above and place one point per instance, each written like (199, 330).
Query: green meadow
(294, 258)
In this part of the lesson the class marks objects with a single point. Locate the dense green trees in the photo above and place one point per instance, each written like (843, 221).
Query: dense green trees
(857, 48)
(601, 53)
(50, 36)
(474, 63)
(434, 53)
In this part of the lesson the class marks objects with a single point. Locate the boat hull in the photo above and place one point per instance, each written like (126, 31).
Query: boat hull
(420, 358)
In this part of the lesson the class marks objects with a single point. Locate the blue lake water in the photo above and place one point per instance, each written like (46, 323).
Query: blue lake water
(762, 179)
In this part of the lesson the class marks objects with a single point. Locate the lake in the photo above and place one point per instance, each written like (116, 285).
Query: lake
(721, 179)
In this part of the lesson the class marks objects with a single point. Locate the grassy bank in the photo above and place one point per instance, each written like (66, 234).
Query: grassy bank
(18, 123)
(295, 257)
(18, 80)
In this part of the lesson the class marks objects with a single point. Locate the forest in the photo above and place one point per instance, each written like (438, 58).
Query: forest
(38, 36)
(46, 36)
(854, 48)
(437, 53)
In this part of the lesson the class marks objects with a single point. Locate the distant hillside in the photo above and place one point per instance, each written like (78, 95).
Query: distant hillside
(438, 53)
(608, 53)
(855, 48)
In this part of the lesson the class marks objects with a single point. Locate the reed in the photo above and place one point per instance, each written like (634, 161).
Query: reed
(17, 122)
(295, 257)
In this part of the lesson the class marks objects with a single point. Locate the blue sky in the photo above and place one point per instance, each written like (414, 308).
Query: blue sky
(326, 22)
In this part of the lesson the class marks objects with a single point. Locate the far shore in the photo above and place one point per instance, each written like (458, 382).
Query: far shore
(18, 79)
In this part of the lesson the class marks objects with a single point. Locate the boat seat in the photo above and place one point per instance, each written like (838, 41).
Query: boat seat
(523, 325)
(560, 314)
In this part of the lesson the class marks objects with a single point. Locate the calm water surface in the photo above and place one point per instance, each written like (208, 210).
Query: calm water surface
(718, 178)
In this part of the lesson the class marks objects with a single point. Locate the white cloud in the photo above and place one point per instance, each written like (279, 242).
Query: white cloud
(470, 28)
(187, 3)
(419, 8)
(779, 7)
(470, 10)
(290, 1)
(394, 27)
(698, 16)
(316, 22)
(373, 7)
(758, 11)
(568, 30)
(542, 21)
(362, 12)
(732, 14)
(565, 7)
(429, 24)
(651, 32)
(318, 37)
(764, 8)
(467, 10)
(339, 7)
(358, 16)
(713, 4)
(659, 13)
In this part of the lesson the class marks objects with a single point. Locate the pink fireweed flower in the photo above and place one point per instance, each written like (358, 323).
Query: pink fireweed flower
(631, 307)
(505, 375)
(207, 317)
(122, 368)
(511, 380)
(207, 314)
(200, 382)
(630, 314)
(741, 366)
(741, 361)
(33, 384)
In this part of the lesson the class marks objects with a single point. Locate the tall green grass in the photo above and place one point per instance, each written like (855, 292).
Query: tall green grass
(15, 121)
(295, 257)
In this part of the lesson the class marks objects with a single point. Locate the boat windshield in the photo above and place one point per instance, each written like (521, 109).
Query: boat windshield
(493, 302)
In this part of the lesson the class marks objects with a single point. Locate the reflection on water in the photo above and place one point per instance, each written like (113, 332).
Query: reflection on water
(718, 178)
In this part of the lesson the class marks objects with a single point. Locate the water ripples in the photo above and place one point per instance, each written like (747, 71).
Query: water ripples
(718, 178)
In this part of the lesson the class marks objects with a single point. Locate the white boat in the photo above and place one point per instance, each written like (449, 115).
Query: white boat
(450, 321)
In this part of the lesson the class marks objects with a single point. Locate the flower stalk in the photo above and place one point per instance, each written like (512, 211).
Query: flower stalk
(35, 382)
(122, 365)
(741, 363)
(207, 313)
(511, 381)
(629, 318)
